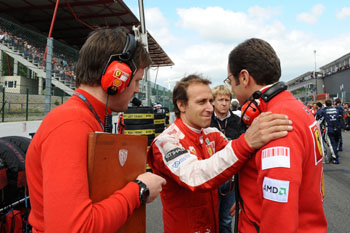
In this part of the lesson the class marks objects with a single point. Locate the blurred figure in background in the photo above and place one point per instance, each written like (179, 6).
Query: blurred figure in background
(230, 125)
(341, 112)
(235, 107)
(333, 118)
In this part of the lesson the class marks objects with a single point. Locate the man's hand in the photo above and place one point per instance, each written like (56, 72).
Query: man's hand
(233, 210)
(154, 184)
(267, 127)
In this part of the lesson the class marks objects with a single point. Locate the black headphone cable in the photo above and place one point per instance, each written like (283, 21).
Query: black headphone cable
(108, 119)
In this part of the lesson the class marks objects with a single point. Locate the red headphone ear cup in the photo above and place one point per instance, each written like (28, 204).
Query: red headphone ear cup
(116, 78)
(250, 110)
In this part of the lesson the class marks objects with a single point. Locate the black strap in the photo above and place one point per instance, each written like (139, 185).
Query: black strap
(239, 200)
(273, 91)
(237, 203)
(86, 101)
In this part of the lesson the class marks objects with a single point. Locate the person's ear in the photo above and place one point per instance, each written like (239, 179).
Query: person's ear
(180, 105)
(245, 77)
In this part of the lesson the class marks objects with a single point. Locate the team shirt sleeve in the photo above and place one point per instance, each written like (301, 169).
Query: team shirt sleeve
(171, 158)
(279, 166)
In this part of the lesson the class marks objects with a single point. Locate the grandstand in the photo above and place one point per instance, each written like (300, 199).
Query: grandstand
(24, 29)
(331, 81)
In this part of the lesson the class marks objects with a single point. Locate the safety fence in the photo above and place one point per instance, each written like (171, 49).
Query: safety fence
(25, 107)
(30, 106)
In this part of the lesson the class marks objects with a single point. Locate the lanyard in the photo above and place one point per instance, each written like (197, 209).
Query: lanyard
(225, 125)
(86, 101)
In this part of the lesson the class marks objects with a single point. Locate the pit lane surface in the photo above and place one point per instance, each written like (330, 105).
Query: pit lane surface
(337, 190)
(336, 203)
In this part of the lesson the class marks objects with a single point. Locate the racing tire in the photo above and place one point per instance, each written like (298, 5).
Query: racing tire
(21, 142)
(12, 158)
(138, 116)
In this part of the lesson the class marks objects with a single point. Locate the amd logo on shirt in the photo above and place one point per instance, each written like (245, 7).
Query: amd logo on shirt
(276, 190)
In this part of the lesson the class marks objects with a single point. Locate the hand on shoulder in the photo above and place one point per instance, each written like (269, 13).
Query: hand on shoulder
(267, 127)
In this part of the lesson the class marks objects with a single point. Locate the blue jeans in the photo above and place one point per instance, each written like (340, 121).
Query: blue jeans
(226, 200)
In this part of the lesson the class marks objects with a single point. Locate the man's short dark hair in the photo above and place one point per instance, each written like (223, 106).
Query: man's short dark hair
(337, 101)
(258, 58)
(328, 103)
(180, 90)
(97, 49)
(319, 104)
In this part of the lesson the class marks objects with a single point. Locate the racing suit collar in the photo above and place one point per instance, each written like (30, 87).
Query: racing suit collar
(194, 134)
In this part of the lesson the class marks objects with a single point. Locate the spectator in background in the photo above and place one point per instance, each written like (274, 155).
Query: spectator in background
(157, 108)
(332, 117)
(235, 107)
(346, 116)
(313, 109)
(318, 107)
(230, 125)
(341, 112)
(2, 35)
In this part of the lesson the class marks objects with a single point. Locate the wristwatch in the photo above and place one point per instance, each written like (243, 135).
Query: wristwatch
(144, 191)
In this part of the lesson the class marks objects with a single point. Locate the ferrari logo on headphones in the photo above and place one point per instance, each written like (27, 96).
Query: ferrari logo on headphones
(117, 73)
(121, 75)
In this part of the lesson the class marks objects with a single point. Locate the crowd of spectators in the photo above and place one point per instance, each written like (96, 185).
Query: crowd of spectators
(341, 68)
(33, 50)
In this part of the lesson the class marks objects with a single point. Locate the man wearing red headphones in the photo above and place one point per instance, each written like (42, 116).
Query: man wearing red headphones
(111, 63)
(196, 159)
(281, 187)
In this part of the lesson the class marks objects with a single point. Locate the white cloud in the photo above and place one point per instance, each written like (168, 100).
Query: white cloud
(345, 12)
(311, 18)
(206, 40)
(207, 58)
(230, 25)
(158, 25)
(263, 13)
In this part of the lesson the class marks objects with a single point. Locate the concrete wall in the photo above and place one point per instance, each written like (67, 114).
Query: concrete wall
(31, 84)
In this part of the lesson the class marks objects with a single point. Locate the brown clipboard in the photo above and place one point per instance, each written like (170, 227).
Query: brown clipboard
(113, 161)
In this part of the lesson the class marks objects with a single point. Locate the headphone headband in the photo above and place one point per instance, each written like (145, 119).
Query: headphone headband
(274, 90)
(126, 55)
(250, 109)
(129, 49)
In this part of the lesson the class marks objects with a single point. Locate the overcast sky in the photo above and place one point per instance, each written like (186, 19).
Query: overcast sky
(199, 34)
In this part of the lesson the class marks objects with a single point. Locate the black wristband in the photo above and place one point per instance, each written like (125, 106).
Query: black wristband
(143, 191)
